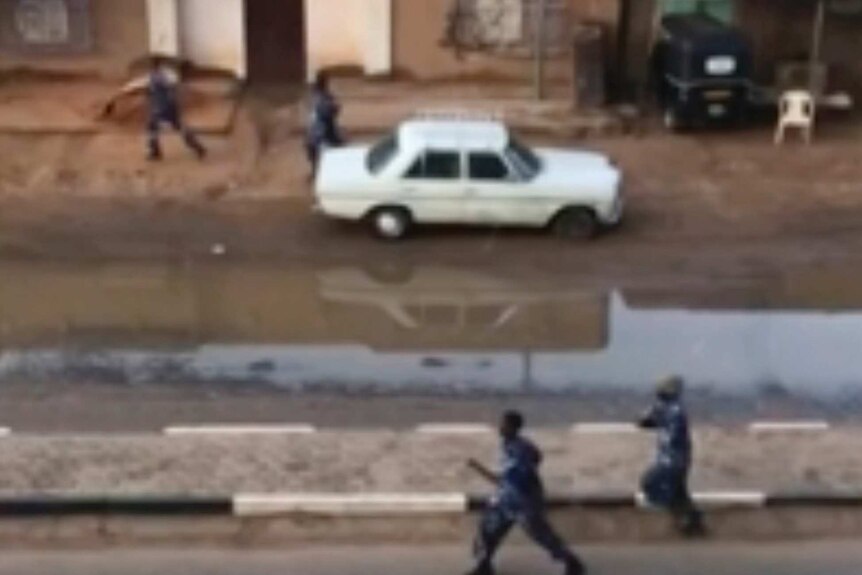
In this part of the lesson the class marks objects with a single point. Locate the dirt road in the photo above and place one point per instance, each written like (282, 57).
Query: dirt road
(699, 208)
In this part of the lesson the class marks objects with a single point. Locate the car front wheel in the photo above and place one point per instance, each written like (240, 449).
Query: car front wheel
(390, 223)
(575, 224)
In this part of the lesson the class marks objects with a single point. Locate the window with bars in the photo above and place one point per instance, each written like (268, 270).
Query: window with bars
(38, 26)
(507, 26)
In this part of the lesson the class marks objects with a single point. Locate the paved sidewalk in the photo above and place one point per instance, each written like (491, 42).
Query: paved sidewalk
(387, 462)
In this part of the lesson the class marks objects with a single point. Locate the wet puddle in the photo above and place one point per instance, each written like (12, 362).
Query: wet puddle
(426, 330)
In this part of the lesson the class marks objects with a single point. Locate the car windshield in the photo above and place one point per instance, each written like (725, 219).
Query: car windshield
(526, 162)
(382, 153)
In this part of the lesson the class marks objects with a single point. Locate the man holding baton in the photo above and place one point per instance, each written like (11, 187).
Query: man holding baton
(520, 498)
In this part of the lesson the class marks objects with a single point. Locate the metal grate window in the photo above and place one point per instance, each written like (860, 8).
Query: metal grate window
(507, 26)
(45, 26)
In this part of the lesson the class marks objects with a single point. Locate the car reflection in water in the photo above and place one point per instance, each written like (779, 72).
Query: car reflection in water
(436, 329)
(414, 329)
(459, 309)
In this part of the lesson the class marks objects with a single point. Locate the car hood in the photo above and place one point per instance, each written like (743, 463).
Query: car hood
(341, 169)
(562, 167)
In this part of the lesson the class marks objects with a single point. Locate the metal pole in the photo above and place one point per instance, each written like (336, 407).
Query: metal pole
(527, 376)
(816, 44)
(539, 41)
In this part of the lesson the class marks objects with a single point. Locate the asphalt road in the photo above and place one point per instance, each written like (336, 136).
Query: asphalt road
(795, 559)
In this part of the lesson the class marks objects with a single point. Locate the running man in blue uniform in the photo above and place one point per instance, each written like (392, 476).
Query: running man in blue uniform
(665, 483)
(161, 87)
(520, 499)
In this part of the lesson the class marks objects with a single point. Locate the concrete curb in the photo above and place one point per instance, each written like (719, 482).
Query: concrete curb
(379, 504)
(350, 504)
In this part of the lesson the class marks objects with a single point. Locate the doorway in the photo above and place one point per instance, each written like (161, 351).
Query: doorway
(275, 30)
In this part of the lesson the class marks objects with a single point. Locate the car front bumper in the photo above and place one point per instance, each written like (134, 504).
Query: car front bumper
(614, 214)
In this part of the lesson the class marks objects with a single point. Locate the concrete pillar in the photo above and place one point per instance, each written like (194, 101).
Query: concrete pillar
(378, 37)
(163, 17)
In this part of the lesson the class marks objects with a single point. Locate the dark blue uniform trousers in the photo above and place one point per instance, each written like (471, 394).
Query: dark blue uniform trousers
(497, 521)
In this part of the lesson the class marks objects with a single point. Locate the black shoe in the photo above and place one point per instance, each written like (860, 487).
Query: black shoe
(575, 567)
(483, 569)
(154, 157)
(692, 526)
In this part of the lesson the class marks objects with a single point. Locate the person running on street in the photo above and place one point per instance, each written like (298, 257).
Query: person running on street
(665, 483)
(519, 499)
(322, 128)
(161, 86)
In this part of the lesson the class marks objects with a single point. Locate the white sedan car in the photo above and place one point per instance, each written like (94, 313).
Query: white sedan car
(432, 171)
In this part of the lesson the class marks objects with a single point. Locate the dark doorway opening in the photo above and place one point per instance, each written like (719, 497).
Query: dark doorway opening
(275, 32)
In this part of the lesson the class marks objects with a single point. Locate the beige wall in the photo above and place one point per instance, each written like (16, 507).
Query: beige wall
(212, 34)
(335, 34)
(418, 28)
(119, 32)
(349, 34)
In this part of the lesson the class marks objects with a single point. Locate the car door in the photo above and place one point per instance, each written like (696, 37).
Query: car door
(496, 195)
(433, 187)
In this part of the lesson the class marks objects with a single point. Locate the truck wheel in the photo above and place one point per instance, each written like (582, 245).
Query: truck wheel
(576, 224)
(390, 223)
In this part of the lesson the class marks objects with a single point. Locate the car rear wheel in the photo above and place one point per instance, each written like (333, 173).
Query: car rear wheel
(576, 224)
(390, 223)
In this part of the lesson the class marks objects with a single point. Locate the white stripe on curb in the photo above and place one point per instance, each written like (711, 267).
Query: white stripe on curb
(780, 426)
(246, 505)
(454, 429)
(5, 432)
(240, 430)
(718, 498)
(747, 498)
(599, 428)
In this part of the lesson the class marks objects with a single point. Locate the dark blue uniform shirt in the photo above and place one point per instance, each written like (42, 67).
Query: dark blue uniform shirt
(668, 417)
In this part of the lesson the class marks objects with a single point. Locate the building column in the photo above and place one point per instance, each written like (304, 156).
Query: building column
(163, 19)
(378, 37)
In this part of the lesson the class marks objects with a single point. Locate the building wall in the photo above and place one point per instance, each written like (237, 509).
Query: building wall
(783, 31)
(841, 48)
(212, 34)
(119, 35)
(419, 27)
(335, 35)
(349, 34)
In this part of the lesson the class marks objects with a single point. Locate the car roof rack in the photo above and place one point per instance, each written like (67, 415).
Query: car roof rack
(458, 114)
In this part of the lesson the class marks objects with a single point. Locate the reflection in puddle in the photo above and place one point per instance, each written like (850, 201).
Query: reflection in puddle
(433, 330)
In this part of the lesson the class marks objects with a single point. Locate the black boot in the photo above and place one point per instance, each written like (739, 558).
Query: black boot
(482, 569)
(154, 151)
(574, 566)
(194, 144)
(691, 525)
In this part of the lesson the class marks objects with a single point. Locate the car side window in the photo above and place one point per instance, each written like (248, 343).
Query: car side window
(488, 167)
(436, 166)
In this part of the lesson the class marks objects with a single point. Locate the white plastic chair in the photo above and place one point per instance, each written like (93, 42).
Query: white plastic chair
(797, 110)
